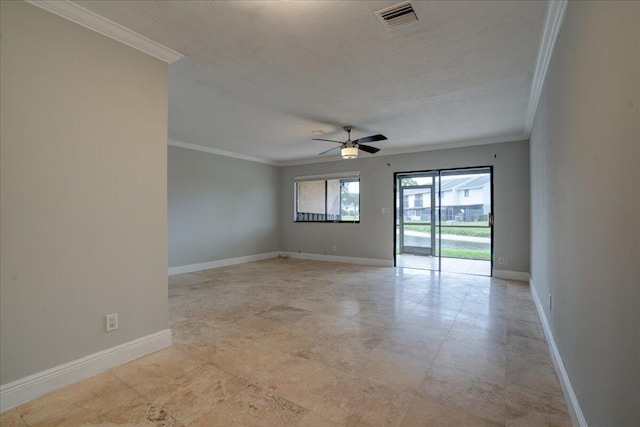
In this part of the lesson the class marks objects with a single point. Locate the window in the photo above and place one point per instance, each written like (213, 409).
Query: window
(330, 198)
(417, 202)
(466, 193)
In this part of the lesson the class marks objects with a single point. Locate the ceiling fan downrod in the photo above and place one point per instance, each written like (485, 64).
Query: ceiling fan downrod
(348, 130)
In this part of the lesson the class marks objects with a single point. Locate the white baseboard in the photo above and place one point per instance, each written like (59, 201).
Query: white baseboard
(511, 275)
(570, 396)
(336, 258)
(220, 263)
(23, 390)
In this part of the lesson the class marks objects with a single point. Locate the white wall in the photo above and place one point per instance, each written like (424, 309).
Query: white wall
(585, 199)
(373, 236)
(220, 207)
(83, 191)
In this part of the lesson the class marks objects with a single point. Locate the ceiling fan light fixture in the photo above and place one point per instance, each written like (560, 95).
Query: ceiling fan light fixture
(349, 152)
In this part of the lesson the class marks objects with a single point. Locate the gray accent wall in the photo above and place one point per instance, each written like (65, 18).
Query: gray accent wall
(220, 207)
(83, 209)
(373, 236)
(585, 200)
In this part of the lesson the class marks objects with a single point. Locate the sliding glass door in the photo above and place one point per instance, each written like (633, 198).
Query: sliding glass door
(416, 220)
(444, 220)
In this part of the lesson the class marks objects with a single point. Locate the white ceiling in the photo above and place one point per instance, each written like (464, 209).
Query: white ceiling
(259, 76)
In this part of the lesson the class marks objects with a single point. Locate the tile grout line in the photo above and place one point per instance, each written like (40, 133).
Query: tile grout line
(431, 367)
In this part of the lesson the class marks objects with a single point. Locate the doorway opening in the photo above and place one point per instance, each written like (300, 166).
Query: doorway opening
(443, 220)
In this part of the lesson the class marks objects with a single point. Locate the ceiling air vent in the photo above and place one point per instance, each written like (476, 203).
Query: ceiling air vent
(395, 16)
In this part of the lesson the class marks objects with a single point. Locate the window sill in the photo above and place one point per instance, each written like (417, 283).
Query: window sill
(327, 222)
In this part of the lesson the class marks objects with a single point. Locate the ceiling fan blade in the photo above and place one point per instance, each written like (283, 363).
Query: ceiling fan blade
(328, 140)
(368, 148)
(329, 150)
(371, 138)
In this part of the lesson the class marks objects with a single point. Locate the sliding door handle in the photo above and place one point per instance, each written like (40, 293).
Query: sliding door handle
(490, 218)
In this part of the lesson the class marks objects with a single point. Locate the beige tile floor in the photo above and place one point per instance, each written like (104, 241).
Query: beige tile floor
(307, 343)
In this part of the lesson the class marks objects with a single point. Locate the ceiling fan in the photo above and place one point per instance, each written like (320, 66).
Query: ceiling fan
(349, 148)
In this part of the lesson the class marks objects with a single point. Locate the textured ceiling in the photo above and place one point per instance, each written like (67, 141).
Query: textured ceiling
(258, 76)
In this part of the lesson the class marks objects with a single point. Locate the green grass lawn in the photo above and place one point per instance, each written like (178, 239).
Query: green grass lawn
(462, 230)
(467, 254)
(478, 254)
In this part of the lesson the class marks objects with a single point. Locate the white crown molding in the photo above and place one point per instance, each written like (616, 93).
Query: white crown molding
(553, 22)
(409, 150)
(191, 268)
(577, 416)
(326, 159)
(455, 144)
(28, 388)
(348, 174)
(210, 150)
(91, 20)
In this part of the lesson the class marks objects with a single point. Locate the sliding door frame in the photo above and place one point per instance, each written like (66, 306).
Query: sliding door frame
(438, 174)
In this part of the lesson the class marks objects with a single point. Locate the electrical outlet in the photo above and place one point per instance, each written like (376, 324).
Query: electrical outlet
(500, 260)
(335, 248)
(111, 322)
